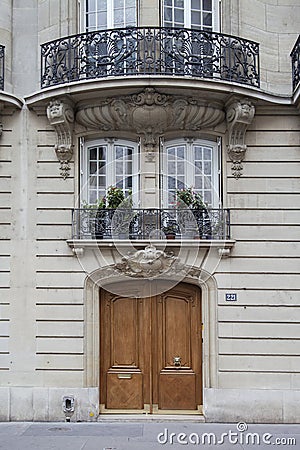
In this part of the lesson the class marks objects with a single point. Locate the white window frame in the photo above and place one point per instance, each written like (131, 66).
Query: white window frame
(110, 16)
(216, 5)
(110, 166)
(190, 169)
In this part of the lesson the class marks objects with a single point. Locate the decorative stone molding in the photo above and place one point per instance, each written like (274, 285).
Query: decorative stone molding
(146, 263)
(150, 114)
(239, 114)
(224, 252)
(61, 116)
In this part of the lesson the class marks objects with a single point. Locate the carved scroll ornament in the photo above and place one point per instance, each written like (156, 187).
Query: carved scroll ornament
(61, 116)
(239, 115)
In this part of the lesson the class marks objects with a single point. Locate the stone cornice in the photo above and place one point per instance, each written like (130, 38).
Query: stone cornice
(151, 114)
(220, 90)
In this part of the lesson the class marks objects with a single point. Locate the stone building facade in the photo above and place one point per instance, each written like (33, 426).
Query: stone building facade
(151, 97)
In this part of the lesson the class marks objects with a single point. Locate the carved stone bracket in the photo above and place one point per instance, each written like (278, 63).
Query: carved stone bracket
(61, 116)
(239, 115)
(151, 114)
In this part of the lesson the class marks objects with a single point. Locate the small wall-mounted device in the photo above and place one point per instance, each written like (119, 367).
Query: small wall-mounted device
(68, 406)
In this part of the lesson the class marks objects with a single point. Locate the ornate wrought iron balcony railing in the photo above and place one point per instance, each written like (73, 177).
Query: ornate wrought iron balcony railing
(2, 67)
(295, 55)
(150, 51)
(91, 223)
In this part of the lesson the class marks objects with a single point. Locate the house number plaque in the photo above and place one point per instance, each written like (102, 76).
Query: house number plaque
(231, 297)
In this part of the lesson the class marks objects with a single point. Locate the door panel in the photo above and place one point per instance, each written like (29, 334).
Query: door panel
(178, 323)
(124, 332)
(151, 350)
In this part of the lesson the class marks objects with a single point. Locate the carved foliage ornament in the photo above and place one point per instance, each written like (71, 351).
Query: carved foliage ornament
(61, 116)
(150, 114)
(239, 115)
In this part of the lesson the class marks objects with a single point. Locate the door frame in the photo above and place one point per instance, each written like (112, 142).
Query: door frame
(209, 295)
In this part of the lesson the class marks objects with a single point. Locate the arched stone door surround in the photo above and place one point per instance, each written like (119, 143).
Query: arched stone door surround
(208, 287)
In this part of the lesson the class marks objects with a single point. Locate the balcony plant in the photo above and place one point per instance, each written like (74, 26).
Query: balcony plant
(170, 229)
(193, 222)
(187, 198)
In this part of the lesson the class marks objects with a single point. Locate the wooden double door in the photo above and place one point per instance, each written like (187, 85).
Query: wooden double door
(150, 349)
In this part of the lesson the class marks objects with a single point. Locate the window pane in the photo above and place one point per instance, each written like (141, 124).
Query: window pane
(101, 181)
(93, 196)
(90, 20)
(179, 4)
(119, 167)
(168, 3)
(93, 154)
(196, 18)
(198, 152)
(129, 168)
(207, 153)
(180, 168)
(178, 16)
(180, 152)
(207, 197)
(171, 153)
(196, 4)
(101, 167)
(168, 14)
(171, 183)
(130, 16)
(207, 19)
(207, 168)
(198, 182)
(102, 153)
(91, 5)
(102, 19)
(198, 165)
(93, 181)
(101, 5)
(128, 183)
(93, 167)
(207, 6)
(119, 17)
(119, 152)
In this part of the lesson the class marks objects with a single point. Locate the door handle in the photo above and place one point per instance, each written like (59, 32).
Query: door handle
(177, 361)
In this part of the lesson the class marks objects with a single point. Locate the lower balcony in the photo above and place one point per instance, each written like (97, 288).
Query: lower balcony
(151, 224)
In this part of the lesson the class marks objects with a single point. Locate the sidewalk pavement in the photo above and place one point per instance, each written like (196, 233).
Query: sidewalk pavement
(146, 434)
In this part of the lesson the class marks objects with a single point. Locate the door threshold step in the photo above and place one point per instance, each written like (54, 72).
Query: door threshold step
(151, 418)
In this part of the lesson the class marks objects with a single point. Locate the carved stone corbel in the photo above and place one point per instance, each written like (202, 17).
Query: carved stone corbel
(61, 116)
(239, 115)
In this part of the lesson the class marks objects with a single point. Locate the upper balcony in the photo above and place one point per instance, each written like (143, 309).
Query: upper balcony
(2, 67)
(295, 55)
(170, 52)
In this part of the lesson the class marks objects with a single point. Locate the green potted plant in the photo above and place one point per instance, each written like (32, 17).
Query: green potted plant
(170, 229)
(193, 216)
(121, 214)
